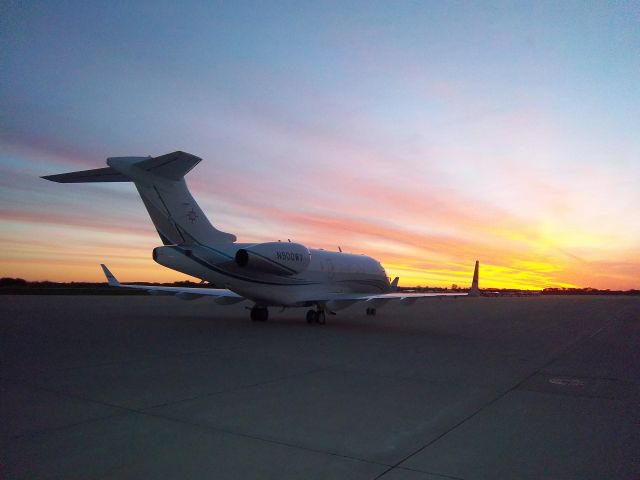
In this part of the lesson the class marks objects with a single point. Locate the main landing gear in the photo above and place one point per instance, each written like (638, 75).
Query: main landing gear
(316, 316)
(259, 314)
(371, 311)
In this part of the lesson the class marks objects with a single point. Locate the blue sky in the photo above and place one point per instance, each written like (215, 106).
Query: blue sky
(505, 131)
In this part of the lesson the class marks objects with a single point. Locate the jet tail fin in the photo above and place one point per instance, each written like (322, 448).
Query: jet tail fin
(394, 284)
(160, 182)
(474, 291)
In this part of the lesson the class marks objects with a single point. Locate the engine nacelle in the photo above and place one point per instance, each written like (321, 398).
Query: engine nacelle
(278, 258)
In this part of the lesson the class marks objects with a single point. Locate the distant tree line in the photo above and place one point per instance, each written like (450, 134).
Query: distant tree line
(20, 285)
(12, 282)
(9, 285)
(587, 291)
(517, 291)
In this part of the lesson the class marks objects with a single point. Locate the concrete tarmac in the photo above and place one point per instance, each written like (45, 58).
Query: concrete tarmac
(473, 388)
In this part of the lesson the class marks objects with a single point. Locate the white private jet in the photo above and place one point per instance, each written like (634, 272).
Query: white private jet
(272, 274)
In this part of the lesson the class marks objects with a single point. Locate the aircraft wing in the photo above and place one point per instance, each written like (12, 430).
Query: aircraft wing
(359, 297)
(222, 295)
(339, 301)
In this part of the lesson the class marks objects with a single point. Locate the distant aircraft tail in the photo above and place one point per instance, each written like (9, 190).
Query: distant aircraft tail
(474, 291)
(161, 185)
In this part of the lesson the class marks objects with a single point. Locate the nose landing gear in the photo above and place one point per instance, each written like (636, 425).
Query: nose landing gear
(371, 311)
(259, 314)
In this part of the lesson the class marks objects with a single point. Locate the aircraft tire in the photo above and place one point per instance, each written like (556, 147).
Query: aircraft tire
(312, 317)
(259, 314)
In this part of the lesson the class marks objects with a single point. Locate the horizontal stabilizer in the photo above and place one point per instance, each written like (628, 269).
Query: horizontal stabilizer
(107, 174)
(178, 218)
(172, 166)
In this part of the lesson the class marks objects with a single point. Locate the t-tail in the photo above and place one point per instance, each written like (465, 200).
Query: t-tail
(177, 217)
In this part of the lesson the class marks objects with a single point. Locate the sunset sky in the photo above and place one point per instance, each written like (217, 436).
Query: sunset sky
(426, 134)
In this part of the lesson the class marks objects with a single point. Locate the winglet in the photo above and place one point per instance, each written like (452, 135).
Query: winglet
(394, 284)
(113, 281)
(474, 291)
